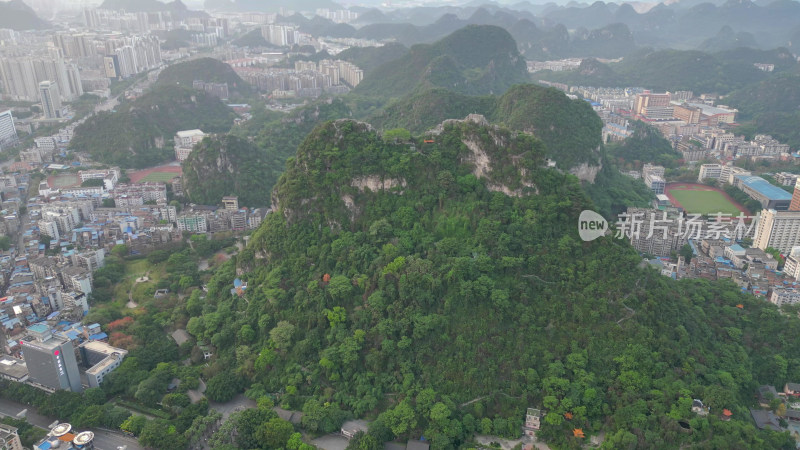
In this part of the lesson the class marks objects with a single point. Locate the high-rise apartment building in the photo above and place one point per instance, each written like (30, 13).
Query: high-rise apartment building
(659, 233)
(778, 229)
(21, 77)
(280, 35)
(8, 134)
(51, 99)
(50, 359)
(795, 203)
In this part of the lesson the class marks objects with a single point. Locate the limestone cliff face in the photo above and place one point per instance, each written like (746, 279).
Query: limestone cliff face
(586, 172)
(345, 164)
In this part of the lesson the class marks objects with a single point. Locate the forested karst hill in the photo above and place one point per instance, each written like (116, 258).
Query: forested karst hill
(209, 70)
(251, 165)
(472, 60)
(570, 129)
(16, 15)
(772, 107)
(139, 133)
(227, 165)
(673, 70)
(407, 279)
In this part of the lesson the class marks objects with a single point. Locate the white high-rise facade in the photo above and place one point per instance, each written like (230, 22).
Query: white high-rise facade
(51, 99)
(8, 134)
(778, 229)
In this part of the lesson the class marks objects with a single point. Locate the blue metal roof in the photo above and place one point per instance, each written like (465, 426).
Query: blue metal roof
(765, 188)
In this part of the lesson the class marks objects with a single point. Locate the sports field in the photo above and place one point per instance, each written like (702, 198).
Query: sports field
(160, 174)
(701, 199)
(158, 177)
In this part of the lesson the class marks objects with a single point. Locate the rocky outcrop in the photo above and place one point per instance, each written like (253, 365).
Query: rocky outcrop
(586, 172)
(375, 183)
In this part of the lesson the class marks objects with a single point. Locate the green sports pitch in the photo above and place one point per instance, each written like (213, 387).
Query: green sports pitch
(704, 202)
(159, 177)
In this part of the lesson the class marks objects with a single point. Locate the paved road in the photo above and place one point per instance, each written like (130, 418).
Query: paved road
(238, 403)
(103, 439)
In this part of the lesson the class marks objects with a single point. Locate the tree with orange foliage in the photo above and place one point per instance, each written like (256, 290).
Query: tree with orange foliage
(122, 340)
(118, 324)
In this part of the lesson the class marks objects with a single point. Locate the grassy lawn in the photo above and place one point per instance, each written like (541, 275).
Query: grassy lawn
(137, 268)
(704, 202)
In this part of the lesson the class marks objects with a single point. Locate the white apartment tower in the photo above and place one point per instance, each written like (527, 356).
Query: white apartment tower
(51, 99)
(8, 134)
(778, 229)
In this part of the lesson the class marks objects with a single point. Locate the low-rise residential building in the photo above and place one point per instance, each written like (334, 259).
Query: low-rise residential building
(533, 420)
(9, 438)
(133, 195)
(100, 359)
(791, 267)
(185, 141)
(195, 223)
(780, 297)
(709, 171)
(786, 178)
(654, 178)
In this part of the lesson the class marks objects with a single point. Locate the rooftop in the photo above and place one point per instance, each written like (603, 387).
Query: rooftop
(13, 368)
(39, 328)
(709, 110)
(764, 187)
(102, 365)
(189, 133)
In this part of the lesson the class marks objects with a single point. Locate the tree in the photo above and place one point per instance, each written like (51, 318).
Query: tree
(401, 419)
(281, 335)
(134, 424)
(397, 135)
(120, 250)
(45, 239)
(222, 387)
(150, 391)
(109, 203)
(686, 252)
(246, 334)
(94, 396)
(5, 242)
(275, 433)
(340, 287)
(159, 434)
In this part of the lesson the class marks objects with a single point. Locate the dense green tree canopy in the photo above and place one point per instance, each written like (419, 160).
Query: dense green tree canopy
(447, 306)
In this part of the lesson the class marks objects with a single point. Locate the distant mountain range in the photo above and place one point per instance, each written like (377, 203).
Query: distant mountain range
(16, 15)
(693, 70)
(687, 24)
(176, 7)
(269, 6)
